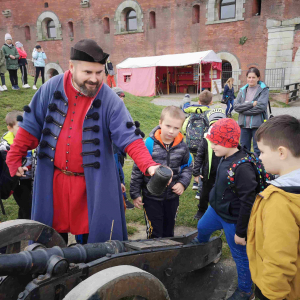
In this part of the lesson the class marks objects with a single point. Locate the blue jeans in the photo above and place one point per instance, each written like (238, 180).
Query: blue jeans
(248, 134)
(228, 109)
(211, 222)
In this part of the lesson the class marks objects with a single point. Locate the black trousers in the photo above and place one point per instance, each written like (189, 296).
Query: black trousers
(24, 74)
(23, 197)
(39, 70)
(2, 78)
(160, 217)
(83, 240)
(259, 294)
(13, 76)
(204, 198)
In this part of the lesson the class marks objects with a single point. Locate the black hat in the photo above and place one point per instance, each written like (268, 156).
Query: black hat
(88, 50)
(38, 47)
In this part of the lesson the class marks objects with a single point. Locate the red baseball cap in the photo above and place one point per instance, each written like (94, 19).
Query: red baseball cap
(225, 132)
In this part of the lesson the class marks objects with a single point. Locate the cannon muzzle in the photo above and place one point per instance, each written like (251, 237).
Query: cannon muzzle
(36, 262)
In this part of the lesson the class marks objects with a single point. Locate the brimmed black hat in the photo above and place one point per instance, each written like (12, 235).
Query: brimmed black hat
(88, 50)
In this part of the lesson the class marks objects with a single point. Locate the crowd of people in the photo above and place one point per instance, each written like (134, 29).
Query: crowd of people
(14, 57)
(82, 131)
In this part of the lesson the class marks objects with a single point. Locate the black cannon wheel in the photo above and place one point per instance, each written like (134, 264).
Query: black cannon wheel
(14, 237)
(117, 283)
(15, 234)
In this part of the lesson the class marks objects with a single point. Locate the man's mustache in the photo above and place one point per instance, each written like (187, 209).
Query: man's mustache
(92, 83)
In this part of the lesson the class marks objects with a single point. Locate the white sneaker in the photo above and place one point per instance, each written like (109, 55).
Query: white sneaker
(4, 87)
(34, 87)
(1, 89)
(27, 86)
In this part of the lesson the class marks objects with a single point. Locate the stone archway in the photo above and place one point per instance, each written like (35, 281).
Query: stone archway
(235, 65)
(41, 22)
(123, 8)
(52, 69)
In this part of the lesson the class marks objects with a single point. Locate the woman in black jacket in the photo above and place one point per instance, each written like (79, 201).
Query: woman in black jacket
(228, 96)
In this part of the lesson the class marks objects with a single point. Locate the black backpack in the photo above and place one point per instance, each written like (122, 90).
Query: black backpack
(198, 124)
(262, 176)
(7, 183)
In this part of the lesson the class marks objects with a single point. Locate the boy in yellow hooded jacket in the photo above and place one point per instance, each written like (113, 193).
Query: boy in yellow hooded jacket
(273, 238)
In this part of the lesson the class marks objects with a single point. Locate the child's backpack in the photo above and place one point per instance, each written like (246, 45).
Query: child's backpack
(261, 175)
(198, 124)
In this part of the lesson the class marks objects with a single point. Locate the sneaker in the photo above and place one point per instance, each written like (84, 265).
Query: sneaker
(195, 186)
(14, 88)
(34, 87)
(17, 87)
(198, 196)
(199, 215)
(4, 87)
(1, 89)
(26, 86)
(129, 205)
(195, 241)
(240, 295)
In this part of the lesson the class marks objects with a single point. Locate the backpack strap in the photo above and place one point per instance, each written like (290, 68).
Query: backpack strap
(149, 143)
(210, 155)
(188, 163)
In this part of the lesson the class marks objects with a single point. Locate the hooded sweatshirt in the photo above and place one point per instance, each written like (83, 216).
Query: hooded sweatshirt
(273, 244)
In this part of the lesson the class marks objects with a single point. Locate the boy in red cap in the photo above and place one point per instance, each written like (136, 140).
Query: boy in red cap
(230, 208)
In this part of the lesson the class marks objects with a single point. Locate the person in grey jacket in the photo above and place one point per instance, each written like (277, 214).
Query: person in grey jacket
(251, 104)
(165, 144)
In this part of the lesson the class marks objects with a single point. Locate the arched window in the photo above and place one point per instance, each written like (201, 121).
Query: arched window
(106, 26)
(227, 9)
(46, 4)
(152, 20)
(196, 14)
(70, 29)
(131, 21)
(51, 30)
(27, 33)
(226, 71)
(256, 8)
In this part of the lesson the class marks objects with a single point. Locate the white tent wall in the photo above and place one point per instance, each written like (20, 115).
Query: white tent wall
(140, 67)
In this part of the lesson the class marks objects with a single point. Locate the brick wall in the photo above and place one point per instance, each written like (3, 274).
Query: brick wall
(174, 32)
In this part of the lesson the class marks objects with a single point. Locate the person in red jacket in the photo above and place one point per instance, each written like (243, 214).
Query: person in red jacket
(22, 64)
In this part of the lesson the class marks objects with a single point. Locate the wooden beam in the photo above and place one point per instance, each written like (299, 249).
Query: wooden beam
(200, 74)
(211, 77)
(168, 87)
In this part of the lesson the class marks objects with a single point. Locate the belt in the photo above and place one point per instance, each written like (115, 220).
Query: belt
(69, 173)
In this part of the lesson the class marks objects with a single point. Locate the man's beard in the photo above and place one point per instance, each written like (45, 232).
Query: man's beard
(84, 90)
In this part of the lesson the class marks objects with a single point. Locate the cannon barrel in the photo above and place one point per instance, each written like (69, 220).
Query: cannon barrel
(36, 262)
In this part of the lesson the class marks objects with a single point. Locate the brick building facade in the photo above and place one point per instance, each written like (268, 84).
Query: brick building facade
(261, 33)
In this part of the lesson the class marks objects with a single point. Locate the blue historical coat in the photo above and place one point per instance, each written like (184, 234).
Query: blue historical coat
(104, 195)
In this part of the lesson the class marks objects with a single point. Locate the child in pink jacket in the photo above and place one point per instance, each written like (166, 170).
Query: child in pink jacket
(22, 64)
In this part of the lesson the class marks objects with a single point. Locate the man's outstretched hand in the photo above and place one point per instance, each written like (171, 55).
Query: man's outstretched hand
(151, 171)
(21, 171)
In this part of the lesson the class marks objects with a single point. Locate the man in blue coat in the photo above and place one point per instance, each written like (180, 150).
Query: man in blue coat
(73, 119)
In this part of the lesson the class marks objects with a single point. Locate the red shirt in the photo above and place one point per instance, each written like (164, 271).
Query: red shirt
(71, 214)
